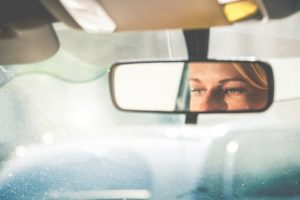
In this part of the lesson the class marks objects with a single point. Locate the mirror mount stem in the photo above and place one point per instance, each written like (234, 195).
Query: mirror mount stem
(197, 42)
(191, 118)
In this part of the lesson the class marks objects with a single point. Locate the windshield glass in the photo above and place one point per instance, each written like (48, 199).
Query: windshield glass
(62, 138)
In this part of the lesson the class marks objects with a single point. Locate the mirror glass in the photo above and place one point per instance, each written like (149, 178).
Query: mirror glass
(181, 86)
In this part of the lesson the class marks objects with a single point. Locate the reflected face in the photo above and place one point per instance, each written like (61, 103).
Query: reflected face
(220, 87)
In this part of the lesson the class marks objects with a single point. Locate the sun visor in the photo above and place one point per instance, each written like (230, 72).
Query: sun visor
(161, 14)
(110, 16)
(27, 41)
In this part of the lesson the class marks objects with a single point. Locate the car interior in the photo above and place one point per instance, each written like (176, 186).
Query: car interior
(149, 99)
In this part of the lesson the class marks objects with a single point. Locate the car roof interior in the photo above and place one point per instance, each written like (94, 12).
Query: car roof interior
(26, 33)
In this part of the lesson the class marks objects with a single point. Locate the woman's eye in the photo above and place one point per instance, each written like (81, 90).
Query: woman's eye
(234, 91)
(197, 92)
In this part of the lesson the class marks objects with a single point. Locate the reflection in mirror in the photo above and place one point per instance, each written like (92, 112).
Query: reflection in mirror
(227, 87)
(211, 86)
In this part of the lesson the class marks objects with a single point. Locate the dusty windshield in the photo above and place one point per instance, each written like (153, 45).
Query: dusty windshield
(62, 138)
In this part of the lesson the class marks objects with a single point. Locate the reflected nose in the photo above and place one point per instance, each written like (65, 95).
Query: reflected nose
(212, 101)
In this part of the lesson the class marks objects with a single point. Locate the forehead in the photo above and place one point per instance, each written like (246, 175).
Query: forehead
(217, 69)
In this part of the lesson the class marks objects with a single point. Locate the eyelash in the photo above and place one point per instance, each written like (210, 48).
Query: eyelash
(197, 92)
(234, 91)
(226, 91)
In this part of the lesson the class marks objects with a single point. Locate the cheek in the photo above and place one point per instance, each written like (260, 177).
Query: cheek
(259, 99)
(194, 101)
(237, 103)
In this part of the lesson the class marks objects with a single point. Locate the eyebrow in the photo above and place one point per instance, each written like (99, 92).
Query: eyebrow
(232, 79)
(221, 81)
(195, 79)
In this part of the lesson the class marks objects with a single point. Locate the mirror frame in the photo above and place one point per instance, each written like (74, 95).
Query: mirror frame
(266, 66)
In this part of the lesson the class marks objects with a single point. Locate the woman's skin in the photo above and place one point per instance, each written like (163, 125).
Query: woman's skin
(220, 87)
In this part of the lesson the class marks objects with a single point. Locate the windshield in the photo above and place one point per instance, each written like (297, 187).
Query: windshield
(62, 138)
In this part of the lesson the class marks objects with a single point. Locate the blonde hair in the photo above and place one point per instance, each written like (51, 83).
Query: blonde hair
(253, 73)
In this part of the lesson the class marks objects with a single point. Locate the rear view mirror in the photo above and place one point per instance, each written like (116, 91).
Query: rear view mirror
(197, 86)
